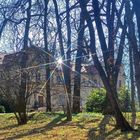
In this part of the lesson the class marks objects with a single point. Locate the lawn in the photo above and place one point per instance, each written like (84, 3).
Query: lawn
(48, 126)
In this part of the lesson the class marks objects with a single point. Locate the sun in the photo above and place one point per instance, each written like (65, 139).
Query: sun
(60, 61)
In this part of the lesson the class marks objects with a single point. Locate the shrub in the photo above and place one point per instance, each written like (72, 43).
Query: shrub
(2, 109)
(96, 100)
(124, 99)
(6, 105)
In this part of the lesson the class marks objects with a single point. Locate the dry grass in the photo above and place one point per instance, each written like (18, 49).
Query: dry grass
(47, 126)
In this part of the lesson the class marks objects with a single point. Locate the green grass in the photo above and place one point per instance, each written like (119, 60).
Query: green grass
(47, 126)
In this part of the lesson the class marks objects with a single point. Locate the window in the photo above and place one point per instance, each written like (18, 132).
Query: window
(40, 101)
(62, 100)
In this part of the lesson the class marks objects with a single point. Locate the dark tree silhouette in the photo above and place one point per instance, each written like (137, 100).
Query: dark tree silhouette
(48, 94)
(22, 118)
(77, 77)
(65, 68)
(109, 73)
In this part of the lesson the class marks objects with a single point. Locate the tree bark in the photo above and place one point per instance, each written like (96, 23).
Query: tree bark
(131, 32)
(132, 86)
(77, 77)
(134, 45)
(47, 59)
(67, 68)
(121, 122)
(136, 5)
(66, 73)
(23, 64)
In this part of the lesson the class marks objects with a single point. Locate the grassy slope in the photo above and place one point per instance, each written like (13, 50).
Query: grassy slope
(44, 126)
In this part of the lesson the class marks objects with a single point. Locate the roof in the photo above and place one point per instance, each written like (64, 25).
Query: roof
(15, 58)
(2, 57)
(90, 69)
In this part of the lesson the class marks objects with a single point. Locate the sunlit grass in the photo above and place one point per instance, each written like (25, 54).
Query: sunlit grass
(53, 126)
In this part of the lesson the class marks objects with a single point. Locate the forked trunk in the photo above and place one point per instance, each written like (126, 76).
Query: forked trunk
(121, 122)
(77, 78)
(22, 118)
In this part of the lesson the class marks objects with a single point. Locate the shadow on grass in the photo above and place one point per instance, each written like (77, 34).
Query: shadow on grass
(135, 134)
(100, 132)
(101, 128)
(9, 127)
(57, 121)
(131, 135)
(80, 126)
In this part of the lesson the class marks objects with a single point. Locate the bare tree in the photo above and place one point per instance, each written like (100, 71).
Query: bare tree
(48, 95)
(78, 61)
(134, 41)
(109, 73)
(10, 84)
(64, 66)
(23, 64)
(136, 5)
(68, 58)
(132, 57)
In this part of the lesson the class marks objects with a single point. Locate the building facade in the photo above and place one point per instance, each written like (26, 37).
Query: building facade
(10, 72)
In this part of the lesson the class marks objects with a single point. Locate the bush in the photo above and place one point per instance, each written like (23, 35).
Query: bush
(6, 106)
(2, 109)
(124, 99)
(96, 100)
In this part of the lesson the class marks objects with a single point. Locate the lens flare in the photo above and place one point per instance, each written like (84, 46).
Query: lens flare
(60, 61)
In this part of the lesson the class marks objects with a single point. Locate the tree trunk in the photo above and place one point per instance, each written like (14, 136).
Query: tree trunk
(133, 44)
(47, 59)
(137, 75)
(23, 64)
(77, 81)
(77, 77)
(22, 118)
(132, 86)
(131, 32)
(136, 5)
(65, 67)
(121, 122)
